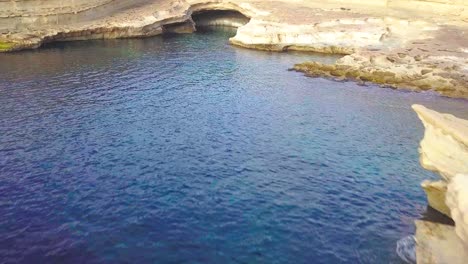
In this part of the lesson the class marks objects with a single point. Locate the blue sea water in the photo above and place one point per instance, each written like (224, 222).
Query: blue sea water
(185, 149)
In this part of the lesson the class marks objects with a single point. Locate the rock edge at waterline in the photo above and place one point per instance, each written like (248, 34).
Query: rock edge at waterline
(392, 72)
(444, 149)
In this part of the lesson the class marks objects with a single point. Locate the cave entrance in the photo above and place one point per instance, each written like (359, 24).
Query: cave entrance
(208, 19)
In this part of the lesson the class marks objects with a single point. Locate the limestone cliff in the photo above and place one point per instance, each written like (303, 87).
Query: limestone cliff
(457, 201)
(444, 149)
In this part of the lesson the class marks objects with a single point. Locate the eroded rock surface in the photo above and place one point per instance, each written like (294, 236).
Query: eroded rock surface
(457, 201)
(438, 244)
(436, 192)
(444, 149)
(402, 70)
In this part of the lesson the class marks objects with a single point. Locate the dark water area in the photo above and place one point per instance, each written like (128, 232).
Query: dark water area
(188, 150)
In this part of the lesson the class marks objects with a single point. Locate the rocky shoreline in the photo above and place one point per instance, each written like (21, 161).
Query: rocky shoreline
(388, 44)
(399, 71)
(444, 149)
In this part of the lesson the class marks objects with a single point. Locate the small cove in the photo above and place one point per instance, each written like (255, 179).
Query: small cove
(186, 149)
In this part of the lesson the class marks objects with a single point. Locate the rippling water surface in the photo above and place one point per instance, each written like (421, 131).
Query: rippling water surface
(187, 150)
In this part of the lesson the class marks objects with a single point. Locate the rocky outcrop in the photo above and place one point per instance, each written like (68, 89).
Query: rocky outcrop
(390, 49)
(444, 149)
(436, 192)
(114, 19)
(399, 71)
(342, 35)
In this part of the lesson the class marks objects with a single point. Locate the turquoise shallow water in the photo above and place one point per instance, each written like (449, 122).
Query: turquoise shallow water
(187, 150)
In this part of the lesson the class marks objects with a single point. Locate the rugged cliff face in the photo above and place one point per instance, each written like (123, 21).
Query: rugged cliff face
(444, 149)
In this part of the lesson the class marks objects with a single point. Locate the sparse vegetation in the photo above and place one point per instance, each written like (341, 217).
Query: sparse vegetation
(6, 46)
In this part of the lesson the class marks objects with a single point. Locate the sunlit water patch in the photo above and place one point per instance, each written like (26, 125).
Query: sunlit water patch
(188, 150)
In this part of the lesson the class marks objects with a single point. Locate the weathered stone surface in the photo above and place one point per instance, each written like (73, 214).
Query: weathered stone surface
(180, 28)
(435, 192)
(116, 19)
(444, 148)
(413, 73)
(438, 244)
(457, 201)
(219, 18)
